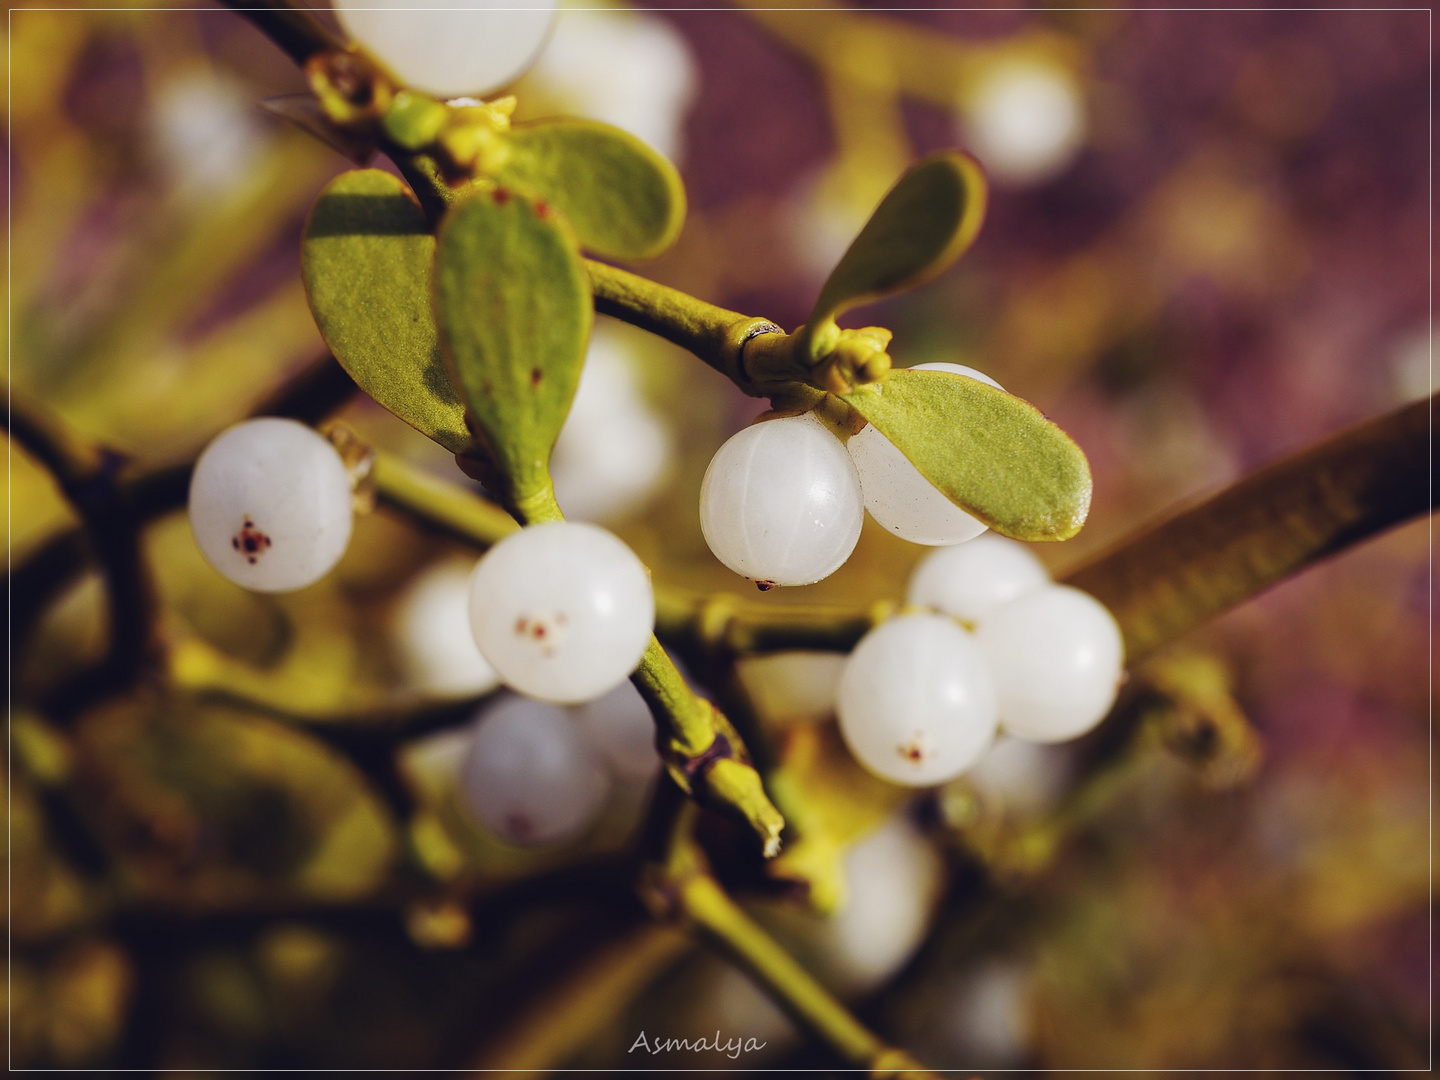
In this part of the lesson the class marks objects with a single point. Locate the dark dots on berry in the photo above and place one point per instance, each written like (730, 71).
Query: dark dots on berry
(543, 632)
(502, 196)
(542, 208)
(535, 376)
(250, 541)
(912, 751)
(764, 586)
(520, 826)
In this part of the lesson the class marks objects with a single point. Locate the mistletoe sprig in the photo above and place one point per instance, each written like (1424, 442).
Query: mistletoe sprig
(463, 304)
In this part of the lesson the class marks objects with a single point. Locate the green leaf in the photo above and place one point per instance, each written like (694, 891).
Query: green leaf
(366, 262)
(213, 806)
(923, 225)
(512, 300)
(624, 200)
(990, 452)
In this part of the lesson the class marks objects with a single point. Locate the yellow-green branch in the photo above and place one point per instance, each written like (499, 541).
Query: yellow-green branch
(701, 749)
(1176, 574)
(577, 1007)
(682, 887)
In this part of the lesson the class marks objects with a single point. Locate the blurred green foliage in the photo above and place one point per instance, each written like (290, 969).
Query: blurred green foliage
(257, 867)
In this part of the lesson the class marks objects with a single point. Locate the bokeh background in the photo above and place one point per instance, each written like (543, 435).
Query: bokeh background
(1208, 246)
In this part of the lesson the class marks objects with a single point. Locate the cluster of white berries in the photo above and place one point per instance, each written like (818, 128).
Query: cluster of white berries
(783, 501)
(923, 695)
(561, 611)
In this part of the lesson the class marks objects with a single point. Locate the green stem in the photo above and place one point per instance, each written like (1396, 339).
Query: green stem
(578, 1006)
(438, 504)
(731, 624)
(684, 887)
(722, 339)
(701, 749)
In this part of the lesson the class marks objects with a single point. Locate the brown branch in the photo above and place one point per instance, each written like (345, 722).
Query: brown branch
(312, 393)
(1277, 521)
(294, 29)
(88, 477)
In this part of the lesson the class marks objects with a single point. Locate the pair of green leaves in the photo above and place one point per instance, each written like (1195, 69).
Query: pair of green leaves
(494, 310)
(991, 453)
(506, 294)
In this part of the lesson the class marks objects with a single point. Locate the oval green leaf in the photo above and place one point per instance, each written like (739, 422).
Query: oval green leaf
(366, 262)
(624, 200)
(993, 454)
(924, 224)
(513, 305)
(282, 815)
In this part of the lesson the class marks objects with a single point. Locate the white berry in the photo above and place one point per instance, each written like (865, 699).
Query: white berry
(1025, 121)
(205, 132)
(450, 47)
(781, 502)
(529, 777)
(968, 580)
(432, 634)
(625, 67)
(1023, 777)
(618, 727)
(563, 611)
(893, 880)
(898, 497)
(916, 704)
(792, 688)
(1057, 656)
(270, 505)
(613, 452)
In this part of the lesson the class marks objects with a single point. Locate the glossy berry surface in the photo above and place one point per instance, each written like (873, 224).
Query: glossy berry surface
(916, 704)
(781, 502)
(1057, 658)
(970, 579)
(450, 48)
(563, 611)
(528, 775)
(898, 497)
(270, 505)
